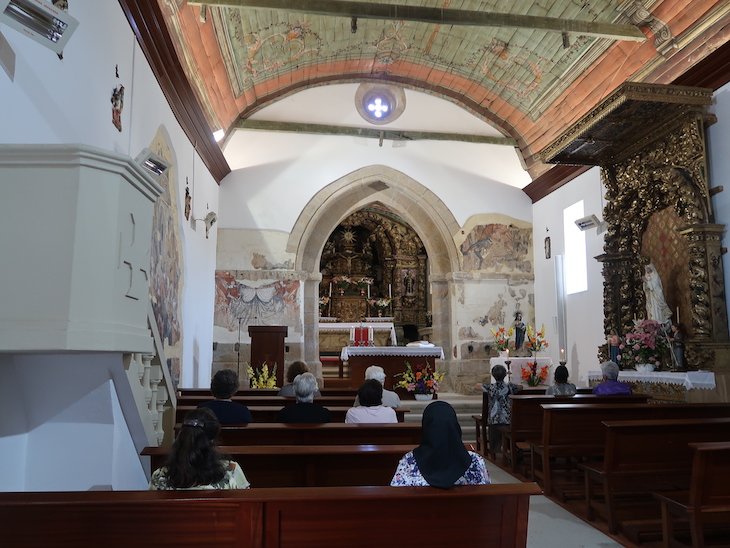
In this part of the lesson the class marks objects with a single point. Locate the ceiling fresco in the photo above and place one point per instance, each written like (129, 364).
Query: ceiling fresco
(528, 68)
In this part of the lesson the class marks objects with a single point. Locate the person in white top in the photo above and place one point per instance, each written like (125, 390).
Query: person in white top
(390, 398)
(371, 408)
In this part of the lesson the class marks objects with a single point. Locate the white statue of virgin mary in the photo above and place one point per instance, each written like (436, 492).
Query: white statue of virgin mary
(656, 306)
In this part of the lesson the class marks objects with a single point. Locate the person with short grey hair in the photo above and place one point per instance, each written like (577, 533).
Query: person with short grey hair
(304, 410)
(390, 398)
(611, 386)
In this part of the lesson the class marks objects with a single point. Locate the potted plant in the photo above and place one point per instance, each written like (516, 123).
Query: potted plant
(501, 340)
(421, 380)
(380, 304)
(262, 377)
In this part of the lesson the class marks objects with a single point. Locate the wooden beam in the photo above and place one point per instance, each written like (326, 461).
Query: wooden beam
(423, 14)
(380, 134)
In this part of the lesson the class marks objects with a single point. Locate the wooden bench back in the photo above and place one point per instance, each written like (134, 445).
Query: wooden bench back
(205, 392)
(527, 410)
(269, 413)
(658, 445)
(710, 485)
(322, 517)
(272, 400)
(580, 426)
(309, 465)
(402, 433)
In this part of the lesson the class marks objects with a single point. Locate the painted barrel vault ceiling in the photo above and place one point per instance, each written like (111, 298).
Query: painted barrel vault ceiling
(528, 68)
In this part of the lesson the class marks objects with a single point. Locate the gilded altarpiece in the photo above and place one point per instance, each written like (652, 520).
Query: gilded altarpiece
(650, 143)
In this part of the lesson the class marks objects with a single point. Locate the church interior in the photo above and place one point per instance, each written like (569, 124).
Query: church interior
(191, 186)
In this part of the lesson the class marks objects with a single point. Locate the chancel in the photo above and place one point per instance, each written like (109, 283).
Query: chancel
(346, 236)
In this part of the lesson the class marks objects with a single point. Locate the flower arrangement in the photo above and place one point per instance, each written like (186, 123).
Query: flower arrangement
(534, 375)
(364, 282)
(342, 282)
(381, 303)
(501, 338)
(644, 344)
(263, 377)
(536, 340)
(324, 300)
(420, 379)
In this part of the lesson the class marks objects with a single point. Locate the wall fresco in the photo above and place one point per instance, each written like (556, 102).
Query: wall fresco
(498, 248)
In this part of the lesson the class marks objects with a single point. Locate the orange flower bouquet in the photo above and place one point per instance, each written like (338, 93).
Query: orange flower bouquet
(534, 375)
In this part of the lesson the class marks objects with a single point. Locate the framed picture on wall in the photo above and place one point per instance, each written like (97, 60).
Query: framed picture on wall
(547, 247)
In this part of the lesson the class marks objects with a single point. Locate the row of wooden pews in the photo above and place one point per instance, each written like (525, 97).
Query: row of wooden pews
(630, 462)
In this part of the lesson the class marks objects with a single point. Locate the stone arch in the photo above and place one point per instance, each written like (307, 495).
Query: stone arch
(417, 205)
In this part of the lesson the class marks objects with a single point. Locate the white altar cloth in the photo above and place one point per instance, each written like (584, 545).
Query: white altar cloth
(516, 364)
(691, 380)
(405, 351)
(349, 327)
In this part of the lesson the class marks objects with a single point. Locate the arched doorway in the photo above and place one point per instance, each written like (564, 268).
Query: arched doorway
(417, 206)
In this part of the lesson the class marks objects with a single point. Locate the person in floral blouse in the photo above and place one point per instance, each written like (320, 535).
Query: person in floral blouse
(500, 408)
(441, 460)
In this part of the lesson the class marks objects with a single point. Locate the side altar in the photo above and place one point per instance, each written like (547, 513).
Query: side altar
(334, 335)
(668, 386)
(391, 358)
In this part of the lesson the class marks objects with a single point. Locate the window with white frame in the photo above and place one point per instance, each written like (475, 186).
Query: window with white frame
(576, 267)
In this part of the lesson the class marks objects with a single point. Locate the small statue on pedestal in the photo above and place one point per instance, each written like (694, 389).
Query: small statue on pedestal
(678, 348)
(520, 329)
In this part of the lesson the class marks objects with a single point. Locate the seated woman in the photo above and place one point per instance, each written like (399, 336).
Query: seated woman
(561, 386)
(223, 386)
(441, 460)
(296, 368)
(304, 410)
(611, 386)
(371, 408)
(194, 461)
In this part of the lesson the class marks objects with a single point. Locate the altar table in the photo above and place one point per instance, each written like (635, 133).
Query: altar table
(391, 358)
(334, 335)
(679, 386)
(516, 364)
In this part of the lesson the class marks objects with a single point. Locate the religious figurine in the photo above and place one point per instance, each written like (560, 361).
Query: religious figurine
(408, 282)
(520, 329)
(613, 348)
(656, 306)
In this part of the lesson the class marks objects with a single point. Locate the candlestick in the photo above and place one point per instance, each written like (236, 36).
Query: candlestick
(368, 291)
(562, 354)
(330, 289)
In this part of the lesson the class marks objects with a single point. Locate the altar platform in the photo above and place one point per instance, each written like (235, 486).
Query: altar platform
(667, 386)
(391, 358)
(334, 335)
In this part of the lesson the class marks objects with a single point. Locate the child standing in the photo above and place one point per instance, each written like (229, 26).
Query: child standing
(499, 408)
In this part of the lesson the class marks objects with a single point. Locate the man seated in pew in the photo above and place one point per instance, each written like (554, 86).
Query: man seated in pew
(441, 460)
(305, 411)
(611, 386)
(194, 461)
(371, 408)
(223, 386)
(390, 398)
(561, 386)
(296, 368)
(500, 409)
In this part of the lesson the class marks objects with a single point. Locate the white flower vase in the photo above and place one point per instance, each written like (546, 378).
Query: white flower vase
(504, 354)
(423, 397)
(645, 367)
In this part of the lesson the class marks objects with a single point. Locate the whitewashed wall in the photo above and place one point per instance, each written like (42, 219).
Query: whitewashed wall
(69, 101)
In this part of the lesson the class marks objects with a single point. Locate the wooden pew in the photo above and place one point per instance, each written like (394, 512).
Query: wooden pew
(480, 422)
(576, 433)
(276, 401)
(526, 425)
(402, 433)
(309, 465)
(708, 499)
(269, 413)
(321, 517)
(643, 456)
(205, 392)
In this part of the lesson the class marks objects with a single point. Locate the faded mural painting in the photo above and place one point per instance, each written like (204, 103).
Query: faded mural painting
(273, 302)
(498, 248)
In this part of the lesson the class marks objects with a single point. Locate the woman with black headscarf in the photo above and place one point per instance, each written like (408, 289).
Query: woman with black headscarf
(441, 460)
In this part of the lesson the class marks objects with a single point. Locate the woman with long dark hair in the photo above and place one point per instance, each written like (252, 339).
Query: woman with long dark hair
(194, 461)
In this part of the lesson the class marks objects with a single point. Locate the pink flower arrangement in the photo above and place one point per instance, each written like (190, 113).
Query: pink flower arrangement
(644, 344)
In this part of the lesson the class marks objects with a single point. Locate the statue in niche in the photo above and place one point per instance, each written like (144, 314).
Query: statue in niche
(520, 329)
(656, 306)
(409, 283)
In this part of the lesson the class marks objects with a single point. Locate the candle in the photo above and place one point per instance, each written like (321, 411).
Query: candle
(678, 315)
(330, 289)
(368, 291)
(562, 354)
(390, 294)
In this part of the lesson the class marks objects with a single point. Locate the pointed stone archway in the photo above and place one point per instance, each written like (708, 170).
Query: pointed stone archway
(414, 203)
